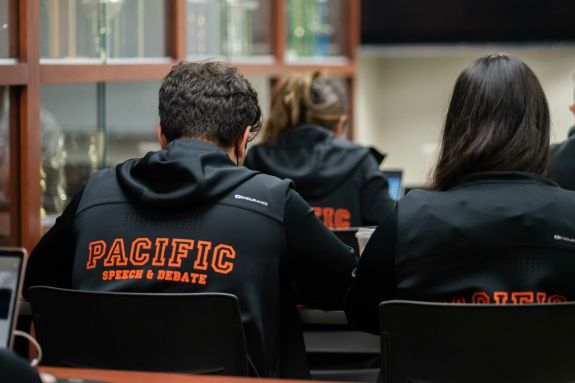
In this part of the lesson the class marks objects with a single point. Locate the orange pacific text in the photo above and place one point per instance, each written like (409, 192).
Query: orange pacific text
(160, 259)
(510, 297)
(333, 218)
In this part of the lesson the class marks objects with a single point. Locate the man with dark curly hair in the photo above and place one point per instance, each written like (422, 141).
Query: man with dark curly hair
(190, 218)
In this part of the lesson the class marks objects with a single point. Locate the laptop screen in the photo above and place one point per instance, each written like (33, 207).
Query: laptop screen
(394, 178)
(10, 271)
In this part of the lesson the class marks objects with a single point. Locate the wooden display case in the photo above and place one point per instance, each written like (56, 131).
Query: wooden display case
(25, 72)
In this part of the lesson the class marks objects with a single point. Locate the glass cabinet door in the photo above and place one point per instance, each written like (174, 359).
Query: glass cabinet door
(72, 143)
(86, 127)
(8, 28)
(136, 28)
(71, 29)
(131, 120)
(102, 29)
(228, 28)
(316, 28)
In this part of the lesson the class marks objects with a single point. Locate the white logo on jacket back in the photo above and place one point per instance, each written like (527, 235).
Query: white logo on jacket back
(558, 237)
(243, 197)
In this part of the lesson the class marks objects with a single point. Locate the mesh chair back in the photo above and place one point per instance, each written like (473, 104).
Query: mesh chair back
(191, 333)
(441, 342)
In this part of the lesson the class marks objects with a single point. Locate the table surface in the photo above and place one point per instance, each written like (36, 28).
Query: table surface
(113, 376)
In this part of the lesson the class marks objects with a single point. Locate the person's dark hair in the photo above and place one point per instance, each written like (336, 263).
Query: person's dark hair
(498, 120)
(207, 100)
(303, 98)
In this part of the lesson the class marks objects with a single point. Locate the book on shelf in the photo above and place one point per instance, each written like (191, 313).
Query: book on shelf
(220, 27)
(310, 30)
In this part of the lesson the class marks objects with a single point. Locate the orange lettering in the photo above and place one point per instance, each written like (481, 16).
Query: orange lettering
(500, 297)
(180, 248)
(556, 299)
(159, 258)
(522, 297)
(481, 297)
(342, 217)
(96, 249)
(328, 217)
(117, 254)
(202, 258)
(137, 256)
(541, 297)
(218, 263)
(457, 299)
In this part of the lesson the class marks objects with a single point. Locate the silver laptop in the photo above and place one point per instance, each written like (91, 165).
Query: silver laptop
(11, 274)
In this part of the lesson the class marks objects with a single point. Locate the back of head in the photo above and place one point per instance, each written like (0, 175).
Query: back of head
(498, 120)
(303, 98)
(209, 101)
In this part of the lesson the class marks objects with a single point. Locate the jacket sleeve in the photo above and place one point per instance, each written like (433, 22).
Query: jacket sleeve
(373, 280)
(52, 260)
(319, 264)
(375, 200)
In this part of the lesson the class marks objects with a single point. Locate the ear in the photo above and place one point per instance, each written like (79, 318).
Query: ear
(340, 131)
(242, 145)
(572, 107)
(161, 138)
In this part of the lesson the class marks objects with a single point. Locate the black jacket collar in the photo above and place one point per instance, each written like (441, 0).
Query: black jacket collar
(502, 176)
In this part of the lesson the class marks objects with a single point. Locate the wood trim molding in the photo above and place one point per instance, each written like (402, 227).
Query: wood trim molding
(16, 74)
(176, 30)
(91, 73)
(30, 142)
(279, 29)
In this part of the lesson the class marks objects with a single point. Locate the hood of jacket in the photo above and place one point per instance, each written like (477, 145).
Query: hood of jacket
(311, 156)
(186, 173)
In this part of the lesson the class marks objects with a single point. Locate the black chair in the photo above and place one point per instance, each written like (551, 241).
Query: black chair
(442, 342)
(188, 333)
(336, 352)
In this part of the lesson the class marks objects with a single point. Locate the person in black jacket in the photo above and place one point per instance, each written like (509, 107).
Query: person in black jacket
(189, 218)
(562, 160)
(493, 229)
(303, 141)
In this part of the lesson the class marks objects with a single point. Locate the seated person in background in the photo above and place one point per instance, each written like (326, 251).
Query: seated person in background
(562, 160)
(303, 140)
(189, 218)
(494, 229)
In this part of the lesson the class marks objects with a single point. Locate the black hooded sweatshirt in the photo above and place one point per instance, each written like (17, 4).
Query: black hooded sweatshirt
(187, 219)
(494, 237)
(562, 162)
(338, 178)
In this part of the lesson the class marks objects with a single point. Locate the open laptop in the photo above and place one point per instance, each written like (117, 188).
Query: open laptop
(11, 274)
(394, 179)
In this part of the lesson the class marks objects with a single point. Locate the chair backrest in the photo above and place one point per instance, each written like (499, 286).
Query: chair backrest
(195, 333)
(442, 342)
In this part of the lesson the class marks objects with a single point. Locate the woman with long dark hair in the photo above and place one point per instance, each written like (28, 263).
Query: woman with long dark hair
(303, 140)
(493, 229)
